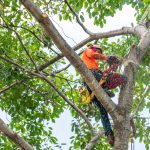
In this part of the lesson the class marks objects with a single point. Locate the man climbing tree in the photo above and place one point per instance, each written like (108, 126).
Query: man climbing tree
(35, 91)
(108, 80)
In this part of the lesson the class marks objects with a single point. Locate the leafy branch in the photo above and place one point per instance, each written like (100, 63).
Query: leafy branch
(20, 40)
(39, 39)
(5, 89)
(42, 76)
(77, 18)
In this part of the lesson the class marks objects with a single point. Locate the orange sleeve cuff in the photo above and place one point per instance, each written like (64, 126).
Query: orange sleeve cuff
(103, 57)
(99, 56)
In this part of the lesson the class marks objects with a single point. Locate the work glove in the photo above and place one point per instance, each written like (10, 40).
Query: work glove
(113, 59)
(113, 62)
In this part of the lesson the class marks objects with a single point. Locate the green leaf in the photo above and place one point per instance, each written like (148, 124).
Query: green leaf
(82, 18)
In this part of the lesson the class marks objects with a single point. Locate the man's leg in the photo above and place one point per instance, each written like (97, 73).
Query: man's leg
(104, 117)
(105, 121)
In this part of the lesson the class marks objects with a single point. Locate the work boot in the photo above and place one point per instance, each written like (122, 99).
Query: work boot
(111, 139)
(110, 93)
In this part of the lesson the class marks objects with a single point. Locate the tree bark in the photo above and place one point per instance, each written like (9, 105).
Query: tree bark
(122, 126)
(14, 136)
(122, 132)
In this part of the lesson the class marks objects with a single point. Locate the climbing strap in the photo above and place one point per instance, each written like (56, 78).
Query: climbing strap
(85, 95)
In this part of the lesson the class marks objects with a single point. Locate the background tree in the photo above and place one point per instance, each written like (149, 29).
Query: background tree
(36, 89)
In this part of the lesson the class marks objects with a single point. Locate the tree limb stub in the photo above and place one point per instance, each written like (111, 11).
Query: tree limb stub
(71, 55)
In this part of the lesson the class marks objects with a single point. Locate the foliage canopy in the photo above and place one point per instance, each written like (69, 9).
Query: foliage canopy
(32, 104)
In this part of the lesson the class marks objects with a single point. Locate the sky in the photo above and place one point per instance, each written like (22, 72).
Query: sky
(75, 32)
(73, 35)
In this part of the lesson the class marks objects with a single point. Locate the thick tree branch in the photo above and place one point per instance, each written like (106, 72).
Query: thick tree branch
(52, 32)
(14, 136)
(126, 94)
(134, 58)
(96, 36)
(143, 46)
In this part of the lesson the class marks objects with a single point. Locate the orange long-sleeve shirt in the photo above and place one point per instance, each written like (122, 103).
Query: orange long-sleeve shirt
(90, 58)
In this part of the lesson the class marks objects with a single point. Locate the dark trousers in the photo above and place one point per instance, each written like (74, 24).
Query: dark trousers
(104, 117)
(112, 82)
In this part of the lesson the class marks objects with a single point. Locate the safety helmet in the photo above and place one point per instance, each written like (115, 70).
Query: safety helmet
(95, 47)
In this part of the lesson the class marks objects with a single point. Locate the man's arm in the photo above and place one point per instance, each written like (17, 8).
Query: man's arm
(91, 54)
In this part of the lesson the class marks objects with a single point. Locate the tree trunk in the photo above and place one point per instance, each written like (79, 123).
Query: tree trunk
(122, 132)
(122, 124)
